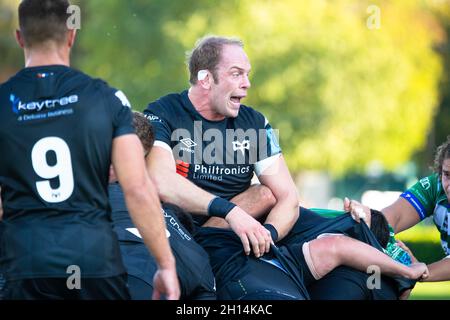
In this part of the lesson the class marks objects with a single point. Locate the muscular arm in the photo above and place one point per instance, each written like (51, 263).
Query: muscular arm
(172, 187)
(257, 201)
(401, 215)
(285, 212)
(175, 189)
(277, 195)
(145, 210)
(326, 253)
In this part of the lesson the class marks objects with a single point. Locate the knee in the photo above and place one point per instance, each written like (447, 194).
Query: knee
(332, 246)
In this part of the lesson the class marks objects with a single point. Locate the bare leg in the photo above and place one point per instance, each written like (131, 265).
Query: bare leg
(325, 254)
(257, 200)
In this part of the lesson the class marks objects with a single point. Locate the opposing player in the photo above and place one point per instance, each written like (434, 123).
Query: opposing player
(430, 196)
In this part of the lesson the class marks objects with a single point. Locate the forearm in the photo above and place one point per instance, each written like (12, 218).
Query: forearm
(286, 210)
(175, 189)
(284, 214)
(368, 256)
(146, 213)
(326, 253)
(439, 271)
(257, 201)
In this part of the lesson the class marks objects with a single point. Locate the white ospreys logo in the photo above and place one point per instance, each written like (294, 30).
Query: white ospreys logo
(123, 98)
(241, 146)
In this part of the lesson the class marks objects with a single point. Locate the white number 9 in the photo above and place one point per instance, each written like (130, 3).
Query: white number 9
(61, 169)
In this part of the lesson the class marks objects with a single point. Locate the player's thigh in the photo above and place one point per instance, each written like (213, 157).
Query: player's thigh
(34, 289)
(343, 283)
(109, 288)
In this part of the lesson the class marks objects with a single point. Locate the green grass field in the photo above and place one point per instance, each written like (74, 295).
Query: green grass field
(431, 291)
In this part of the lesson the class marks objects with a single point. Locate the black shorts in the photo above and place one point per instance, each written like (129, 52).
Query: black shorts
(263, 282)
(2, 284)
(345, 283)
(111, 288)
(138, 261)
(139, 289)
(294, 253)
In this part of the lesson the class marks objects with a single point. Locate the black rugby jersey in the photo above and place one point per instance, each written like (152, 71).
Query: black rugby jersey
(218, 156)
(192, 262)
(56, 130)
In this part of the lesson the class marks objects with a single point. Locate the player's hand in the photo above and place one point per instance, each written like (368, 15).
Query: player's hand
(408, 251)
(165, 283)
(357, 210)
(252, 234)
(419, 271)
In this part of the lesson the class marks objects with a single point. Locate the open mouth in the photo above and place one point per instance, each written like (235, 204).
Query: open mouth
(237, 99)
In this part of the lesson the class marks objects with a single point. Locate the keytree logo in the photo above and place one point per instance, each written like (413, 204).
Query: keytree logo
(18, 106)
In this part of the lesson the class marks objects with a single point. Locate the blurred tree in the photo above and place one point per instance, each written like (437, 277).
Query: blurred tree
(342, 94)
(11, 57)
(441, 124)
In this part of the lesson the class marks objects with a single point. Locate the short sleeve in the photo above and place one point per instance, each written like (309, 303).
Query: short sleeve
(121, 113)
(423, 196)
(157, 117)
(270, 151)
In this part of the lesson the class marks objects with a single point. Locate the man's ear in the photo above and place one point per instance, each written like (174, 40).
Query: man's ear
(204, 78)
(19, 39)
(71, 35)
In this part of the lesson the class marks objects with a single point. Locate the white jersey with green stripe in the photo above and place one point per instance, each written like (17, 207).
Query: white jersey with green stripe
(428, 198)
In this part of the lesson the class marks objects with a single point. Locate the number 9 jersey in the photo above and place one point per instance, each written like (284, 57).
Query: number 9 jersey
(56, 130)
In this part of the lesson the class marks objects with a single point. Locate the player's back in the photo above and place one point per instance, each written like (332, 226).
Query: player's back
(56, 131)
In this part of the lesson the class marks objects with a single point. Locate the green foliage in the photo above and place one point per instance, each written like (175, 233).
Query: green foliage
(128, 44)
(342, 95)
(11, 58)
